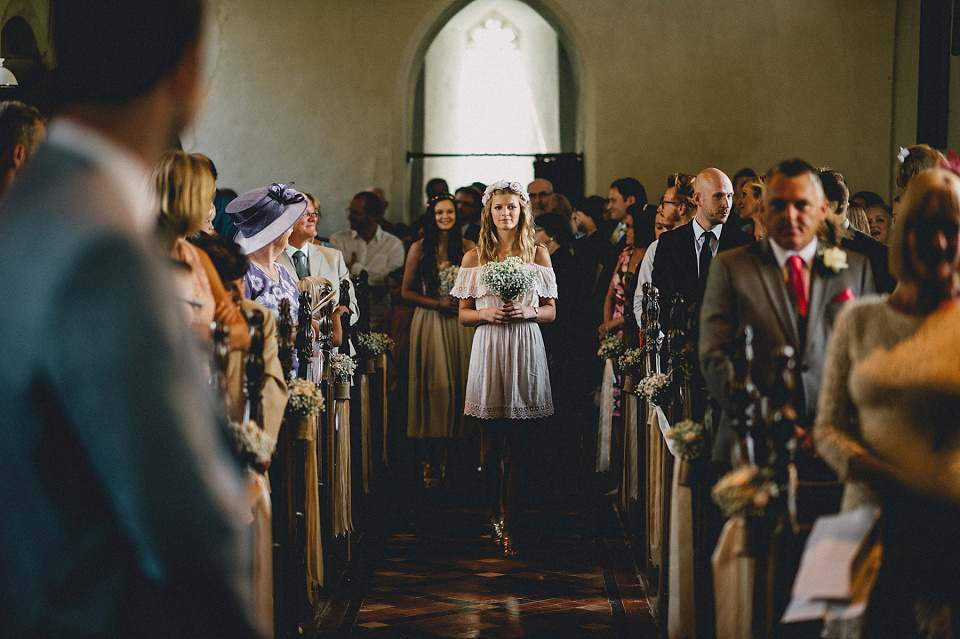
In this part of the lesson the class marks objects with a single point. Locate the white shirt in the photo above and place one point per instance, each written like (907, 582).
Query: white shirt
(644, 276)
(378, 257)
(698, 236)
(807, 254)
(124, 168)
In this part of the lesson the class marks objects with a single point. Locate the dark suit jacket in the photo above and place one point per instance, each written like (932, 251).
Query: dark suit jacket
(122, 502)
(878, 254)
(675, 266)
(746, 286)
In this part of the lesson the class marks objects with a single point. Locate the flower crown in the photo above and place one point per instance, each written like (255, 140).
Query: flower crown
(504, 185)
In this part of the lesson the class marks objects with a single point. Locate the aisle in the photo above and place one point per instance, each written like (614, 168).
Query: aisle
(438, 574)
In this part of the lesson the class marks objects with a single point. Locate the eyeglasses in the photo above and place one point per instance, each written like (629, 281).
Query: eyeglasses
(313, 214)
(663, 201)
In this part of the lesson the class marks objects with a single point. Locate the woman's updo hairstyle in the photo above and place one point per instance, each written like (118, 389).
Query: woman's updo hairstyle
(919, 157)
(684, 185)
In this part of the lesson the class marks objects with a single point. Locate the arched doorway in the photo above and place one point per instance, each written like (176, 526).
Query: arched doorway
(497, 78)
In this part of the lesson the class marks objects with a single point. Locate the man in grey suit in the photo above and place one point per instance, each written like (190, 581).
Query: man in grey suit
(788, 288)
(303, 258)
(122, 508)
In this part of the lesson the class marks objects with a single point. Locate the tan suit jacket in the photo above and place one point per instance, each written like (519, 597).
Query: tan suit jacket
(273, 400)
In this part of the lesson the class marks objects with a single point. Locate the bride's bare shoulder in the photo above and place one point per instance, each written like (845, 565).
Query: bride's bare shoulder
(471, 258)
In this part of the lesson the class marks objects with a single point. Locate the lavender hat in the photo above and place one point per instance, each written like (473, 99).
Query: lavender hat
(264, 214)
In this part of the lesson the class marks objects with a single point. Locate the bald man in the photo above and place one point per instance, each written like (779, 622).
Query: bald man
(541, 196)
(684, 254)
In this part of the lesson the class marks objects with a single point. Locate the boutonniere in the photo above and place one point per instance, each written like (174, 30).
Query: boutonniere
(831, 259)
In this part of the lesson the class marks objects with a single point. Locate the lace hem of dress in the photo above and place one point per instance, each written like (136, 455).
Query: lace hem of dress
(508, 412)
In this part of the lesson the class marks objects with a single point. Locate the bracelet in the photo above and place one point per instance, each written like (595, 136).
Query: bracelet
(536, 313)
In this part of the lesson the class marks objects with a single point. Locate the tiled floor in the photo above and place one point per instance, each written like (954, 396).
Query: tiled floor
(439, 575)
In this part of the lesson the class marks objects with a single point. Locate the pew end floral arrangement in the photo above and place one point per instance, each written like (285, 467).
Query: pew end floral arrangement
(342, 366)
(689, 439)
(746, 490)
(305, 399)
(655, 388)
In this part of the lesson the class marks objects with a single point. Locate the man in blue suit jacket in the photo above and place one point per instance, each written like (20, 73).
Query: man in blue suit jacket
(122, 503)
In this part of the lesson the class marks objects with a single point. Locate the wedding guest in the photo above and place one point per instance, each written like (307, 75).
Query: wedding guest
(231, 264)
(367, 247)
(541, 196)
(886, 420)
(837, 194)
(22, 131)
(918, 157)
(562, 205)
(208, 227)
(676, 209)
(468, 212)
(439, 344)
(880, 219)
(866, 199)
(627, 264)
(265, 217)
(397, 229)
(858, 218)
(184, 190)
(303, 258)
(508, 384)
(748, 206)
(125, 507)
(435, 187)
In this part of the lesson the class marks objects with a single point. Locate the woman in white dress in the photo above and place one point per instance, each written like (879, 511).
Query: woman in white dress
(508, 384)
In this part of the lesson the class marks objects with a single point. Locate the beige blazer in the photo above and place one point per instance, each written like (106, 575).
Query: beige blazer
(327, 263)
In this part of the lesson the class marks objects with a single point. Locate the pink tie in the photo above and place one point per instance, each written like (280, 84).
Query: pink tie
(797, 288)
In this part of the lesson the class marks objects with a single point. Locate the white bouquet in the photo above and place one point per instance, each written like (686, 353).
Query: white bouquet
(508, 279)
(747, 490)
(610, 347)
(447, 278)
(305, 398)
(342, 367)
(373, 344)
(654, 388)
(254, 446)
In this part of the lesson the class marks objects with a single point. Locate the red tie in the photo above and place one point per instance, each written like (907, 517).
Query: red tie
(797, 288)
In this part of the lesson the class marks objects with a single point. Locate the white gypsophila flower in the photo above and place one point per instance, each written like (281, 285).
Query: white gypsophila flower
(374, 344)
(305, 398)
(508, 279)
(505, 185)
(834, 259)
(342, 366)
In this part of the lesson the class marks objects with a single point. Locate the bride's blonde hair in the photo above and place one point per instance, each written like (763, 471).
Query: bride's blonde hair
(488, 240)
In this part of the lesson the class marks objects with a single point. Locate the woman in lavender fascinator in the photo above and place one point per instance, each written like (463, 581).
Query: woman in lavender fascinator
(265, 219)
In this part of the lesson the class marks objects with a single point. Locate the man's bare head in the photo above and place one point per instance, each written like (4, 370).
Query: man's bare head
(713, 195)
